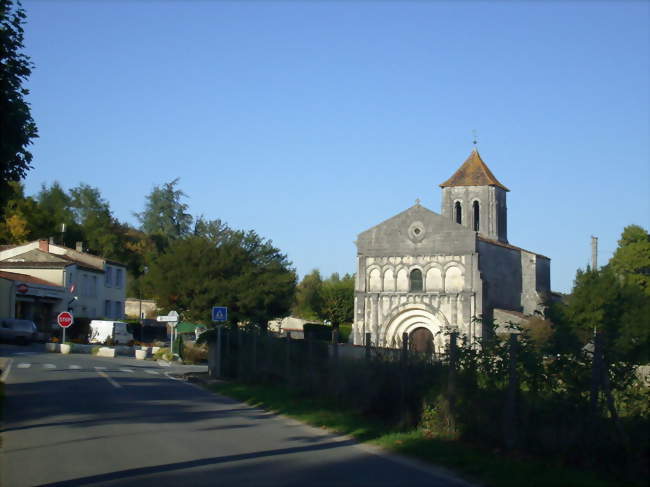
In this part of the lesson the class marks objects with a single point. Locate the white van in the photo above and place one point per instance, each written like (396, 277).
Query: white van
(102, 330)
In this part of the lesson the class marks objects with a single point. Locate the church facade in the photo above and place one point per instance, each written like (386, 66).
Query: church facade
(426, 274)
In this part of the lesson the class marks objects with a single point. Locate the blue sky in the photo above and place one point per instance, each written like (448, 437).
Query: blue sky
(310, 122)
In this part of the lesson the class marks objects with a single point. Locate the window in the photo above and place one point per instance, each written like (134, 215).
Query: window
(107, 308)
(84, 286)
(108, 277)
(415, 281)
(93, 288)
(118, 277)
(459, 212)
(477, 215)
(118, 310)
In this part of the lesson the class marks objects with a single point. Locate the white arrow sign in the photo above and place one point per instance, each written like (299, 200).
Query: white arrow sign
(171, 318)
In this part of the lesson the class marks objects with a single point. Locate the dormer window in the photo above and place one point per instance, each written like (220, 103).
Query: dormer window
(458, 211)
(477, 214)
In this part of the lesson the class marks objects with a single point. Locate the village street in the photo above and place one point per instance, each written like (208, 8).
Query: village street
(84, 420)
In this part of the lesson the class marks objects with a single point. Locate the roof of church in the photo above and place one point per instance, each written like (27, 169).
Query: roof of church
(473, 172)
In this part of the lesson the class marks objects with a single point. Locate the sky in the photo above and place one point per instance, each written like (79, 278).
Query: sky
(310, 122)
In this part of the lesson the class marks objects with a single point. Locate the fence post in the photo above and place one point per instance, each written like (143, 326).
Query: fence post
(403, 376)
(287, 358)
(228, 352)
(368, 336)
(451, 383)
(510, 411)
(310, 361)
(253, 353)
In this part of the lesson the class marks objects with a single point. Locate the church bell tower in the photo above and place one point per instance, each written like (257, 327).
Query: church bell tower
(474, 198)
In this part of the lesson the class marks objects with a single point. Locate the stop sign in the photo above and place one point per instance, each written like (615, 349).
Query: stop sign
(64, 319)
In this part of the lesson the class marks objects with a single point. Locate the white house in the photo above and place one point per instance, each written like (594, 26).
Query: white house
(62, 278)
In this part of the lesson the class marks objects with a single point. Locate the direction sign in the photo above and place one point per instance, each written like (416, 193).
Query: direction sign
(219, 313)
(64, 319)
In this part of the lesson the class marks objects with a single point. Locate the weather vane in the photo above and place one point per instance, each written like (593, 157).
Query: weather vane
(475, 137)
(417, 201)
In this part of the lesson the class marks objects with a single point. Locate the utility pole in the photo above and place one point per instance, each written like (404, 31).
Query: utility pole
(594, 253)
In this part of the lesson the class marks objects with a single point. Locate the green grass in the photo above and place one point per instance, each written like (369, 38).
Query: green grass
(485, 466)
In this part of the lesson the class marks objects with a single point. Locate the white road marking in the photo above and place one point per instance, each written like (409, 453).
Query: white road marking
(74, 367)
(105, 376)
(130, 371)
(49, 366)
(23, 366)
(152, 372)
(100, 368)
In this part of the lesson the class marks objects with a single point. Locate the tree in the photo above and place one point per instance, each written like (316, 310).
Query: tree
(338, 299)
(308, 302)
(631, 260)
(93, 215)
(164, 214)
(242, 271)
(602, 302)
(17, 127)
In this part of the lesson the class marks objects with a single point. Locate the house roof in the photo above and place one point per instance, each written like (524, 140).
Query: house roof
(14, 276)
(473, 172)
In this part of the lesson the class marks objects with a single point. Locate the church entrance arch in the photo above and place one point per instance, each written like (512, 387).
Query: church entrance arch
(421, 341)
(409, 318)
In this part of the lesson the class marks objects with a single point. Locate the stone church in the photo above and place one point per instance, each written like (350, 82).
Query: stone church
(426, 274)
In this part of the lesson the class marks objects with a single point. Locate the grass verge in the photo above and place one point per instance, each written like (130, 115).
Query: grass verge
(474, 463)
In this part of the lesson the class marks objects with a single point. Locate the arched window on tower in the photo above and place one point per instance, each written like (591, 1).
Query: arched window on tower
(477, 215)
(459, 212)
(415, 281)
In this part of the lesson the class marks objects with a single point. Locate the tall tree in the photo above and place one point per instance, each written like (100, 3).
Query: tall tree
(165, 215)
(242, 271)
(631, 260)
(101, 231)
(309, 301)
(17, 127)
(338, 299)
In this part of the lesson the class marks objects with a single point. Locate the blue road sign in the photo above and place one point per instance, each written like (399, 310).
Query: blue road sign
(219, 313)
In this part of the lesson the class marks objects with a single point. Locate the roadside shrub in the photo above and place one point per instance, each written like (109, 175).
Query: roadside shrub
(195, 354)
(163, 354)
(95, 350)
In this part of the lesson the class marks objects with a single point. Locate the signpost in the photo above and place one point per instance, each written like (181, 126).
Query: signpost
(64, 319)
(219, 315)
(172, 320)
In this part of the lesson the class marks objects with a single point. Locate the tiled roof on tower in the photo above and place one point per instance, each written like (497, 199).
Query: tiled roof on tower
(473, 172)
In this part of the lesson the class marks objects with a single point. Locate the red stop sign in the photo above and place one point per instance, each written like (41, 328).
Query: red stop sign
(64, 319)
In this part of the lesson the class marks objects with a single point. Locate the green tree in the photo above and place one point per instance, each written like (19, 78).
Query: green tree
(17, 127)
(338, 299)
(165, 215)
(100, 230)
(56, 206)
(242, 271)
(308, 302)
(631, 260)
(603, 302)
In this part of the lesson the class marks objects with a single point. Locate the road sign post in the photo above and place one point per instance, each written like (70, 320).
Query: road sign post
(172, 320)
(64, 319)
(219, 315)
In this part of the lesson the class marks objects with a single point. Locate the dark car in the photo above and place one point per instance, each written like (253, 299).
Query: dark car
(17, 331)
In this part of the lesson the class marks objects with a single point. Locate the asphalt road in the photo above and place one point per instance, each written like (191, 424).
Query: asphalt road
(84, 420)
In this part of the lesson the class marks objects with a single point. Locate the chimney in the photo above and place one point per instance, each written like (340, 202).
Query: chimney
(44, 245)
(79, 246)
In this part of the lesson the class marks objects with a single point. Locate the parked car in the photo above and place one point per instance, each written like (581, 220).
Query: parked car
(17, 330)
(100, 331)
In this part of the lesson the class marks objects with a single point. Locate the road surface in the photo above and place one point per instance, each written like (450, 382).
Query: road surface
(84, 420)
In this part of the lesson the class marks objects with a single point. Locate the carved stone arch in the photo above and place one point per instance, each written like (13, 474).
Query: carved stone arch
(407, 317)
(452, 264)
(388, 280)
(371, 284)
(454, 277)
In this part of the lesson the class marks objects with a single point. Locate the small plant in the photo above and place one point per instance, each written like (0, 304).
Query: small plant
(95, 350)
(163, 354)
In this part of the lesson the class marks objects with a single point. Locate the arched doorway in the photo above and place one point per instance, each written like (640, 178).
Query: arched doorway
(421, 341)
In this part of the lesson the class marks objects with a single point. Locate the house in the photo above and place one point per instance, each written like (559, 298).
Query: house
(40, 279)
(426, 274)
